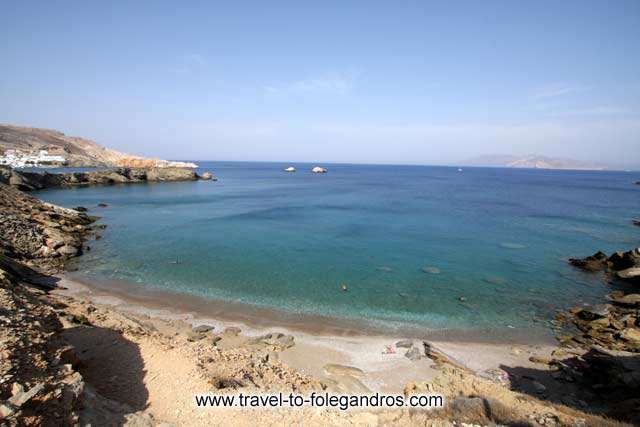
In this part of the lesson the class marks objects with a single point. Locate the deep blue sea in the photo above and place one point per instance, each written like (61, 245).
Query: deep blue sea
(408, 241)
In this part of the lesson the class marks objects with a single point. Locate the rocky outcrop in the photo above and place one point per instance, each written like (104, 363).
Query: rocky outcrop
(595, 262)
(39, 234)
(614, 326)
(621, 265)
(318, 169)
(78, 152)
(28, 181)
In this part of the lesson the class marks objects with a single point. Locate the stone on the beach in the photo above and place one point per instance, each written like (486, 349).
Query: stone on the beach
(404, 343)
(195, 336)
(203, 328)
(290, 169)
(335, 369)
(413, 354)
(431, 270)
(541, 360)
(276, 339)
(468, 407)
(318, 169)
(232, 330)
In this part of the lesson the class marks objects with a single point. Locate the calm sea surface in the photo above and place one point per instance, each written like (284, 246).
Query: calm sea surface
(408, 241)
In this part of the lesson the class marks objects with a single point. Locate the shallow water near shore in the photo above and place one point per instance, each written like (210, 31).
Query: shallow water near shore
(479, 249)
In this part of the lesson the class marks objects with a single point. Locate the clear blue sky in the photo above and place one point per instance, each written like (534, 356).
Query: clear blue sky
(388, 82)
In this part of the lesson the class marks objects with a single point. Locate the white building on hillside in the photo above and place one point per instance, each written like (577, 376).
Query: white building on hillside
(18, 159)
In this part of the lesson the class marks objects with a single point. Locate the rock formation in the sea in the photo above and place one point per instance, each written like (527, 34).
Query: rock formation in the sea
(208, 176)
(318, 169)
(290, 169)
(17, 143)
(621, 265)
(28, 181)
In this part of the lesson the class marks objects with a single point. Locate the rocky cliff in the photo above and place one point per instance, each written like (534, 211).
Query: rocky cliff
(28, 181)
(78, 152)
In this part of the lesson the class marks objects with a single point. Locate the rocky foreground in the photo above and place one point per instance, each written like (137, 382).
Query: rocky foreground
(28, 181)
(68, 360)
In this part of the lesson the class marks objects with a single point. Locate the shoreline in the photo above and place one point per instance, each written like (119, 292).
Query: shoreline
(316, 346)
(260, 318)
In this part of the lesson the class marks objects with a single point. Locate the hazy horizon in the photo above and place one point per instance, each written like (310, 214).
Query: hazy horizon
(367, 83)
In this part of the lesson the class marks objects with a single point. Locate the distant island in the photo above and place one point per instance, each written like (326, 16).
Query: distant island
(33, 147)
(533, 161)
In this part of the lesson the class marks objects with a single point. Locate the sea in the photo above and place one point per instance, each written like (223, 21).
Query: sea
(430, 247)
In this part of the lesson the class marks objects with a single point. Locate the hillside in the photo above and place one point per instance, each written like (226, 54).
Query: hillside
(77, 152)
(532, 161)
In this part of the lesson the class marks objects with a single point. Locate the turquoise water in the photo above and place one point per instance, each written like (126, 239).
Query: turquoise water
(498, 237)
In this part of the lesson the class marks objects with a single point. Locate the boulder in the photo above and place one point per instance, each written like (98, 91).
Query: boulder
(208, 176)
(275, 339)
(68, 251)
(81, 209)
(413, 354)
(632, 300)
(203, 328)
(632, 273)
(595, 262)
(623, 260)
(318, 169)
(290, 169)
(594, 312)
(404, 344)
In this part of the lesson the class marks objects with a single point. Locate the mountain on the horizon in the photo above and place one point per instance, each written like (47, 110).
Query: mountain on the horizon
(77, 152)
(533, 161)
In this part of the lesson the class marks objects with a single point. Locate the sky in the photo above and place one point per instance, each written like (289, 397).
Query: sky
(414, 82)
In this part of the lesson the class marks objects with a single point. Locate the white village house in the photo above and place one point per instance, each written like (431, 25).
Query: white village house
(18, 159)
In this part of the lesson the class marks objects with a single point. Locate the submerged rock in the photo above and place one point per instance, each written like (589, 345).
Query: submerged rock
(513, 245)
(431, 270)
